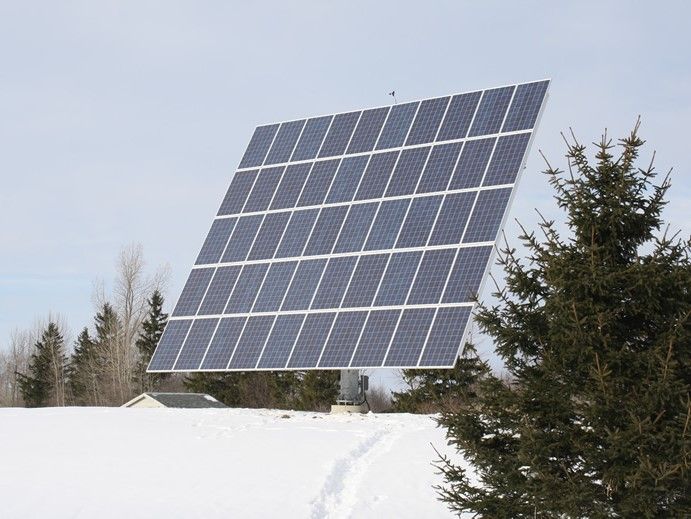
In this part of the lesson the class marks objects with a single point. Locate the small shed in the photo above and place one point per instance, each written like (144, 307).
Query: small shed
(174, 400)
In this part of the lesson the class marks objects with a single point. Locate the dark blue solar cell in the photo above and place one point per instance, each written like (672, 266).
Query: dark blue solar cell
(439, 167)
(386, 225)
(237, 192)
(298, 230)
(356, 227)
(339, 134)
(490, 113)
(169, 345)
(196, 344)
(246, 288)
(223, 343)
(506, 159)
(284, 143)
(193, 292)
(375, 338)
(398, 278)
(251, 342)
(318, 183)
(487, 215)
(304, 285)
(219, 290)
(466, 275)
(368, 130)
(242, 238)
(334, 282)
(311, 340)
(525, 106)
(427, 121)
(472, 164)
(326, 230)
(269, 235)
(397, 125)
(347, 179)
(363, 286)
(275, 286)
(407, 172)
(452, 218)
(342, 339)
(458, 116)
(409, 338)
(431, 277)
(216, 241)
(418, 222)
(376, 176)
(258, 146)
(263, 190)
(280, 342)
(311, 138)
(290, 187)
(444, 341)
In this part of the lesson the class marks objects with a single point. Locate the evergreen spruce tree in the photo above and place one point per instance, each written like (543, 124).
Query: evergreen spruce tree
(82, 375)
(435, 390)
(109, 357)
(595, 330)
(152, 329)
(44, 384)
(318, 389)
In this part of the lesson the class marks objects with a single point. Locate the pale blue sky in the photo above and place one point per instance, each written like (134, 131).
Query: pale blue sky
(122, 121)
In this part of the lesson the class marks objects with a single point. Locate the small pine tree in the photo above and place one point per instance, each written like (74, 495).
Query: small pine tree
(435, 390)
(317, 390)
(595, 332)
(152, 329)
(44, 384)
(83, 372)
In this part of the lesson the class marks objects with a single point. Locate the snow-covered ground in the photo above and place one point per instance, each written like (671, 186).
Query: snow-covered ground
(230, 463)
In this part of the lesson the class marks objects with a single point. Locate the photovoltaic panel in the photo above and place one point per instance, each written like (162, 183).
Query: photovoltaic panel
(359, 239)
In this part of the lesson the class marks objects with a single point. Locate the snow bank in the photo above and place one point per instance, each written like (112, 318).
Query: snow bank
(98, 462)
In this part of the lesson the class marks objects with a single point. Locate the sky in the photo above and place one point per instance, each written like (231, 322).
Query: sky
(122, 122)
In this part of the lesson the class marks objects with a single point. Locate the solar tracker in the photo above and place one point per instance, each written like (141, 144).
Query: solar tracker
(355, 240)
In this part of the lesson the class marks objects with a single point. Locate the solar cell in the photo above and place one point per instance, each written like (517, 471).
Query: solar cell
(358, 239)
(439, 167)
(311, 138)
(368, 129)
(397, 126)
(289, 189)
(280, 342)
(219, 290)
(236, 196)
(441, 348)
(487, 215)
(375, 339)
(194, 290)
(242, 238)
(196, 343)
(490, 113)
(259, 146)
(284, 143)
(342, 339)
(216, 241)
(407, 173)
(339, 134)
(263, 190)
(506, 159)
(427, 121)
(458, 116)
(309, 344)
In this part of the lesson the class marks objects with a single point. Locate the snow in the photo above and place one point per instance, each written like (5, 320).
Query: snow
(116, 462)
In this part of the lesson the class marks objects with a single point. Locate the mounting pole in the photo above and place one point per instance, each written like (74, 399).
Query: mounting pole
(351, 397)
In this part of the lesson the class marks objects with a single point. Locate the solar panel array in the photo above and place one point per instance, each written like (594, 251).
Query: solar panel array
(355, 240)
